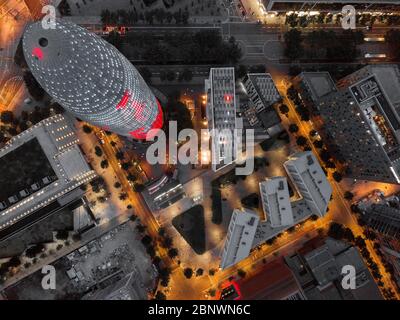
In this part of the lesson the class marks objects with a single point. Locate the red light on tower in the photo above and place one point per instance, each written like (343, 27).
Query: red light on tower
(37, 53)
(228, 98)
(124, 100)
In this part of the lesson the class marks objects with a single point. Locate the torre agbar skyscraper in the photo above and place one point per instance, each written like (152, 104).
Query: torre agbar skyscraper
(90, 78)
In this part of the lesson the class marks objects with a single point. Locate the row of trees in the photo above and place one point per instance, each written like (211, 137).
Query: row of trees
(323, 45)
(11, 125)
(130, 17)
(199, 47)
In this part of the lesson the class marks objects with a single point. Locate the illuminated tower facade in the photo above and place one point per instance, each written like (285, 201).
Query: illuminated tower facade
(90, 78)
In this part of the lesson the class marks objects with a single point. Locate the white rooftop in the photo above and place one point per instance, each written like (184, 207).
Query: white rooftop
(276, 201)
(59, 143)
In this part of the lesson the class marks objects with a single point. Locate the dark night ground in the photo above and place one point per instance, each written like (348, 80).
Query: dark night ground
(190, 224)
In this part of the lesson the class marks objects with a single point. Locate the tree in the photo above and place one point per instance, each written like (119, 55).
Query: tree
(146, 240)
(7, 117)
(104, 164)
(117, 185)
(177, 111)
(126, 166)
(123, 196)
(98, 151)
(337, 176)
(199, 272)
(360, 242)
(301, 141)
(318, 144)
(284, 109)
(140, 228)
(293, 128)
(348, 195)
(370, 235)
(167, 242)
(187, 75)
(188, 272)
(131, 177)
(173, 252)
(293, 44)
(119, 155)
(241, 273)
(161, 232)
(160, 296)
(87, 129)
(171, 75)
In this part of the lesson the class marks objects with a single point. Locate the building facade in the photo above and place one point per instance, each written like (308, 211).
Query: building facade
(383, 219)
(310, 181)
(281, 213)
(276, 201)
(239, 239)
(221, 116)
(91, 79)
(318, 269)
(362, 125)
(49, 179)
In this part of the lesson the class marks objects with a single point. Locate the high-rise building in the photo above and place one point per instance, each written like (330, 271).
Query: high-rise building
(314, 194)
(92, 79)
(239, 239)
(262, 91)
(310, 181)
(361, 123)
(221, 116)
(383, 219)
(46, 167)
(276, 201)
(262, 95)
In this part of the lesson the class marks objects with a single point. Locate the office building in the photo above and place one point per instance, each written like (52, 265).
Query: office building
(312, 86)
(384, 219)
(46, 167)
(281, 213)
(221, 116)
(361, 123)
(239, 238)
(91, 79)
(318, 269)
(313, 196)
(259, 111)
(310, 181)
(276, 201)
